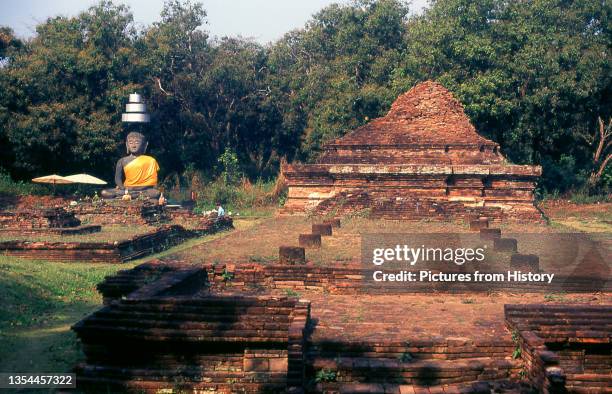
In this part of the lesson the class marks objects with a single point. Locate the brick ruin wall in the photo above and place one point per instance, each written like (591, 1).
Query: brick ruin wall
(138, 246)
(253, 277)
(566, 348)
(174, 333)
(359, 365)
(398, 192)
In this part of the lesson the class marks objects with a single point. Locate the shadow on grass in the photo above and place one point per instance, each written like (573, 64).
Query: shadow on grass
(39, 301)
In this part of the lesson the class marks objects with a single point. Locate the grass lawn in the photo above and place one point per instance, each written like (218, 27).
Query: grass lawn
(40, 301)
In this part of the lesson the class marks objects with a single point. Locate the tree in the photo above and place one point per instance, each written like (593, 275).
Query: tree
(533, 75)
(67, 90)
(602, 155)
(334, 74)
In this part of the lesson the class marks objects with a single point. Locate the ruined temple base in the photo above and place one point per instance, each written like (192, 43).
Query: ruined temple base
(135, 247)
(411, 208)
(346, 343)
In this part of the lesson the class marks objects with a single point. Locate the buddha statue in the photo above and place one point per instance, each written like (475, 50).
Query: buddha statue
(136, 173)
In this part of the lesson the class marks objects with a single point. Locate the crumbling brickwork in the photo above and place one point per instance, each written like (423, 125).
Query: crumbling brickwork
(566, 348)
(176, 334)
(424, 151)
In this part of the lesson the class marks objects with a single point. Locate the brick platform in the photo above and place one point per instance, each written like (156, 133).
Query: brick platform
(175, 334)
(376, 344)
(155, 241)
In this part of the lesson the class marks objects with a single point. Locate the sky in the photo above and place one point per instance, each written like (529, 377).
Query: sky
(261, 20)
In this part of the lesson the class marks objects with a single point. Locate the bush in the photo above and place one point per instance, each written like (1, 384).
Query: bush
(18, 188)
(239, 196)
(584, 197)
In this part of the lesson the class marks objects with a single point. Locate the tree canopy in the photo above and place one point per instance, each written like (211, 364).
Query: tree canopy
(533, 75)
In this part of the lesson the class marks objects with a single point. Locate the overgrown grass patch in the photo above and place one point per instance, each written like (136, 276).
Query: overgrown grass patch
(35, 292)
(18, 188)
(39, 302)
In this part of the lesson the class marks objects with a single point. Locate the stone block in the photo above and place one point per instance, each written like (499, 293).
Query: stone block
(479, 224)
(335, 223)
(490, 234)
(322, 229)
(505, 245)
(291, 255)
(278, 364)
(255, 364)
(525, 262)
(310, 240)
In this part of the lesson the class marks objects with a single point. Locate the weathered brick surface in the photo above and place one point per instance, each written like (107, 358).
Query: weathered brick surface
(138, 246)
(525, 262)
(335, 223)
(38, 218)
(310, 240)
(291, 255)
(479, 224)
(120, 212)
(366, 352)
(566, 348)
(174, 331)
(425, 149)
(505, 244)
(322, 229)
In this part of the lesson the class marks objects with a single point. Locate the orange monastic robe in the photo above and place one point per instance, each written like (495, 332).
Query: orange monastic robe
(142, 171)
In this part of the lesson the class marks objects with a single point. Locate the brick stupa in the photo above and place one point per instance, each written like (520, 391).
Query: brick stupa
(424, 159)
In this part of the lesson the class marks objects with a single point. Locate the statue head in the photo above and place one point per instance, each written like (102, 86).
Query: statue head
(136, 143)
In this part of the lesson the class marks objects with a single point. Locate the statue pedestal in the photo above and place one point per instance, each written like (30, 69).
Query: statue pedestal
(107, 212)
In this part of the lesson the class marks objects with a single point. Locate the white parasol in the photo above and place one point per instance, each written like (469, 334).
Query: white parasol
(85, 178)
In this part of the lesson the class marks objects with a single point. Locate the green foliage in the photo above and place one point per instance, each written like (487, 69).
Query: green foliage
(236, 197)
(291, 293)
(533, 76)
(231, 169)
(516, 338)
(325, 375)
(34, 292)
(551, 297)
(17, 188)
(227, 275)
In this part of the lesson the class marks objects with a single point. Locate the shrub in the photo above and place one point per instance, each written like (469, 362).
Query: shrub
(18, 188)
(241, 195)
(231, 169)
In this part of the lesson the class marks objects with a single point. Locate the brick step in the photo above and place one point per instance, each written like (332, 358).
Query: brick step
(215, 302)
(593, 319)
(552, 309)
(155, 387)
(161, 334)
(507, 387)
(423, 354)
(260, 324)
(185, 372)
(205, 310)
(571, 313)
(193, 317)
(585, 378)
(423, 372)
(419, 349)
